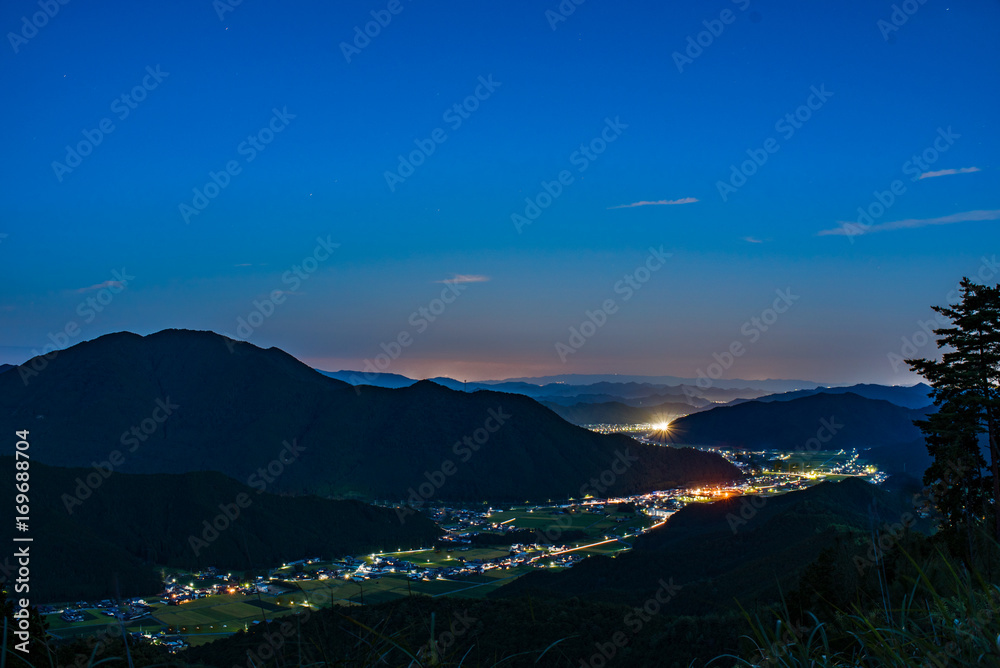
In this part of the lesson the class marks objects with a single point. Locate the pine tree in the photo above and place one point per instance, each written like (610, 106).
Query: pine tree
(965, 383)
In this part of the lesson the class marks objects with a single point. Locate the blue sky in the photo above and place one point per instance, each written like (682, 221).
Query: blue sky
(889, 91)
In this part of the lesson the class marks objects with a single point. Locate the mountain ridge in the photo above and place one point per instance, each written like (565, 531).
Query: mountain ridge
(237, 405)
(883, 429)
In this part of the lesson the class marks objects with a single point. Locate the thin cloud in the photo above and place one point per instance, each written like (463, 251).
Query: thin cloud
(752, 240)
(949, 172)
(99, 286)
(685, 200)
(850, 229)
(465, 278)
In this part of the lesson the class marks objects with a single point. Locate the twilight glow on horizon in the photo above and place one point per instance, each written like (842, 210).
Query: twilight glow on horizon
(503, 189)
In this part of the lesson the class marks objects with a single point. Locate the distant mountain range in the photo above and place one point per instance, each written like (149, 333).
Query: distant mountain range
(628, 392)
(770, 385)
(626, 401)
(181, 401)
(914, 396)
(691, 402)
(571, 382)
(131, 525)
(655, 408)
(646, 393)
(572, 391)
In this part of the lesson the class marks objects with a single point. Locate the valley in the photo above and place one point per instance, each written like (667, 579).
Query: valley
(481, 548)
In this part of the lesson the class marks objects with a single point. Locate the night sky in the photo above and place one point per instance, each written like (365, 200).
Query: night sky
(476, 177)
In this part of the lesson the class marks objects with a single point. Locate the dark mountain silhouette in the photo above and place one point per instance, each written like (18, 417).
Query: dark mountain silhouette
(787, 425)
(884, 430)
(743, 548)
(390, 380)
(131, 525)
(914, 396)
(236, 408)
(6, 367)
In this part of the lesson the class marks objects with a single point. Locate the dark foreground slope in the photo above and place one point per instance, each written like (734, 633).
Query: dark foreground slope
(511, 633)
(180, 401)
(127, 526)
(715, 556)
